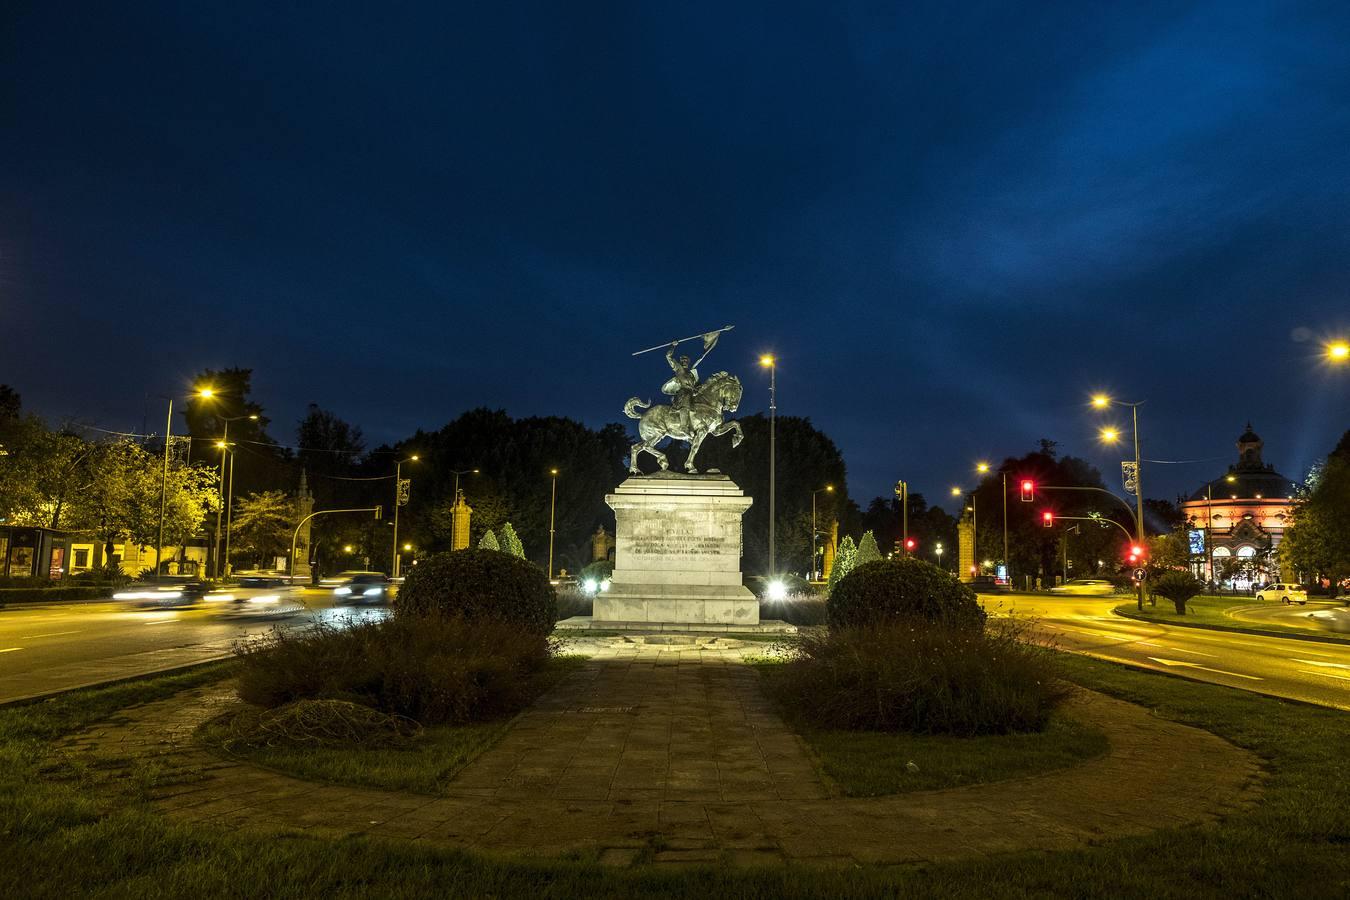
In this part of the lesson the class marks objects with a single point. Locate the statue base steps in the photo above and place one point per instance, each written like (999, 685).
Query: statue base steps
(590, 623)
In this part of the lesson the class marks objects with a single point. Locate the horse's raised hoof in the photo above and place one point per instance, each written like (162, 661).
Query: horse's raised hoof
(691, 470)
(634, 471)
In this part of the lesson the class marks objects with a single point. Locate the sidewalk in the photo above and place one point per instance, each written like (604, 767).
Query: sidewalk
(675, 755)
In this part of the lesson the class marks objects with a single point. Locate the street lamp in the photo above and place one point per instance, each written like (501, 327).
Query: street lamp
(399, 499)
(983, 469)
(552, 506)
(768, 362)
(1111, 436)
(164, 474)
(227, 495)
(829, 488)
(1338, 351)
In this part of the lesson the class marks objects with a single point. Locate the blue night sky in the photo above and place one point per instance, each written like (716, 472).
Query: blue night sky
(951, 221)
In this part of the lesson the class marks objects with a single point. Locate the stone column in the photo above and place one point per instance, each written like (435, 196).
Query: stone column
(965, 539)
(827, 557)
(304, 505)
(459, 538)
(601, 544)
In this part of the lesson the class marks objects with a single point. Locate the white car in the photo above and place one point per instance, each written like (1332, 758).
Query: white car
(1283, 591)
(1085, 587)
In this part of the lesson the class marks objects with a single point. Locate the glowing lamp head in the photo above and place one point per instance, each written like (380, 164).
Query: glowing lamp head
(982, 467)
(767, 361)
(206, 393)
(1338, 351)
(1110, 435)
(777, 590)
(956, 492)
(1100, 401)
(829, 489)
(414, 457)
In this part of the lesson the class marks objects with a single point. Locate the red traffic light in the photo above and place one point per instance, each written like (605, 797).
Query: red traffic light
(1048, 519)
(1028, 490)
(1136, 550)
(910, 544)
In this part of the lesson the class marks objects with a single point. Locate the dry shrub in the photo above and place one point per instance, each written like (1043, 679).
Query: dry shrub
(922, 678)
(312, 723)
(433, 670)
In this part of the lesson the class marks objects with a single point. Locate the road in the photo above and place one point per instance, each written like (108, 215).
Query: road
(62, 646)
(1314, 672)
(58, 647)
(1294, 616)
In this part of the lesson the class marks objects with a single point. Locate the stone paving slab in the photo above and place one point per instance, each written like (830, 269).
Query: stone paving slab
(677, 752)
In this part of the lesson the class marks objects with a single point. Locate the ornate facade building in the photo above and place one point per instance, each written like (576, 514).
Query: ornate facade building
(1241, 514)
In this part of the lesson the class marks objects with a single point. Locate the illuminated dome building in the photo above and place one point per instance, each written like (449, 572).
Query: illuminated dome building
(1240, 514)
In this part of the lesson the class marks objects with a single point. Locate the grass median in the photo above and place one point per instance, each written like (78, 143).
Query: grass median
(1209, 610)
(65, 831)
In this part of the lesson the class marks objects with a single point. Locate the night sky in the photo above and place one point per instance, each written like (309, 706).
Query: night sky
(951, 222)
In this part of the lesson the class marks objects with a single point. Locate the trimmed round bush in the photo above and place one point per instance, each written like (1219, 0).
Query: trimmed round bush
(479, 585)
(901, 591)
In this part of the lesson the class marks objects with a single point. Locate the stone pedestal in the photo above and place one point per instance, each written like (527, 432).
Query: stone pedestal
(462, 513)
(677, 553)
(965, 546)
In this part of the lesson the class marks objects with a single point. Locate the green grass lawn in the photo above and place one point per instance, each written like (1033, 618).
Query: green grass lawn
(872, 764)
(1209, 610)
(66, 831)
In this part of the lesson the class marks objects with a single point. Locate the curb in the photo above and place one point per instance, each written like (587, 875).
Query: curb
(1315, 638)
(29, 699)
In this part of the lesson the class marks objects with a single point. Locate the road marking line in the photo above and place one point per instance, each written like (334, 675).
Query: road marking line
(1318, 662)
(29, 637)
(1191, 665)
(10, 649)
(1196, 652)
(162, 622)
(1304, 671)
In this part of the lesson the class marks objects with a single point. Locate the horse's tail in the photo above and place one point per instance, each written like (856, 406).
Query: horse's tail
(632, 404)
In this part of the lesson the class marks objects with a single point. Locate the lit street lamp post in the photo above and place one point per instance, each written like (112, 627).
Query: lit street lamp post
(227, 495)
(771, 364)
(827, 488)
(1110, 436)
(552, 507)
(399, 500)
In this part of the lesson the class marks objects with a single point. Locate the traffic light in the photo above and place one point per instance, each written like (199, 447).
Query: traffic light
(1047, 519)
(1136, 553)
(1028, 490)
(910, 544)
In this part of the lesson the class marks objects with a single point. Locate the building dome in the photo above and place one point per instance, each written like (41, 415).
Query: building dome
(1250, 479)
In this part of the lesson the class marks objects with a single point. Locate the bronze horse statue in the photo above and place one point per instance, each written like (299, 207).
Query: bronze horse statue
(720, 394)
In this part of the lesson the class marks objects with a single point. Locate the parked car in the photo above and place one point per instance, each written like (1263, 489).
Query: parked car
(168, 591)
(363, 587)
(1283, 591)
(1085, 587)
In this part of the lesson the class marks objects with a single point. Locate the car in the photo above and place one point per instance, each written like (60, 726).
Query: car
(258, 596)
(1085, 587)
(363, 587)
(1283, 591)
(1335, 619)
(169, 591)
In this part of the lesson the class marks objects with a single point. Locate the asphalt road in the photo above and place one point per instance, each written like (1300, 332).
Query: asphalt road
(58, 647)
(62, 646)
(1292, 616)
(1314, 672)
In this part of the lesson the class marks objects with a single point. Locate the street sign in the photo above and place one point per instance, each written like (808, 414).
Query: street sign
(1140, 574)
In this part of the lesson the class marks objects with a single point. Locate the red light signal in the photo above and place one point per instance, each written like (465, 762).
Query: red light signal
(1136, 550)
(1048, 519)
(910, 544)
(1028, 491)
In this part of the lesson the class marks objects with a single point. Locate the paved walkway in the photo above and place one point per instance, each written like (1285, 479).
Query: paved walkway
(675, 755)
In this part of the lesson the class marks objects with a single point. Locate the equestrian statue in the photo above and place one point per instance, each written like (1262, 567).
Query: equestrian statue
(695, 411)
